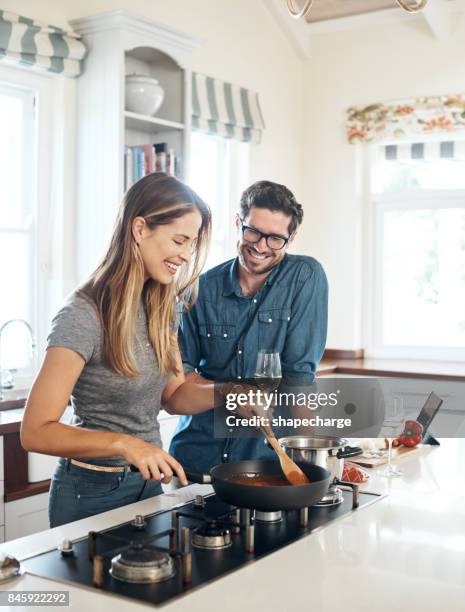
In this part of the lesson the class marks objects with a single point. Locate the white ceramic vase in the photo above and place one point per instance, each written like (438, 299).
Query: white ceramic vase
(144, 94)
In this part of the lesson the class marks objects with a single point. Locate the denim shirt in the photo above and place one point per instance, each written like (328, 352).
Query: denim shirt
(291, 319)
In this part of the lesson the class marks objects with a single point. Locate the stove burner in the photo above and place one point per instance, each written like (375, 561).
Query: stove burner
(268, 517)
(211, 535)
(142, 564)
(333, 497)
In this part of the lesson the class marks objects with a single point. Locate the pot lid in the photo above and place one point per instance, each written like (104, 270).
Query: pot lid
(313, 442)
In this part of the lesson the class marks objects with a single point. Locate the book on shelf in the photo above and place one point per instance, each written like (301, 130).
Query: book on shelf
(141, 160)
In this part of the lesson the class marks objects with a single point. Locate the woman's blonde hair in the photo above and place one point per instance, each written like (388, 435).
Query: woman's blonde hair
(116, 286)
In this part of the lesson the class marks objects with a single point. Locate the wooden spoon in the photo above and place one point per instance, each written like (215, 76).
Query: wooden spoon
(291, 470)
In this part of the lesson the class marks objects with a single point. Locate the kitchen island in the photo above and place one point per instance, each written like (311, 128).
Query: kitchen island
(406, 551)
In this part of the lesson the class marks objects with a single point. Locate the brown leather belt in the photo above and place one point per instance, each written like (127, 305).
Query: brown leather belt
(99, 468)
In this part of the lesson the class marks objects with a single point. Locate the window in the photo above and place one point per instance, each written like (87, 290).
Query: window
(31, 138)
(17, 221)
(219, 173)
(418, 247)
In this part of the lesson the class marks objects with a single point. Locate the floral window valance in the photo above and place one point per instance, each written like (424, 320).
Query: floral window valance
(406, 118)
(31, 43)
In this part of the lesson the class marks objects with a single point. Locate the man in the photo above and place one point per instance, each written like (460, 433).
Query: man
(262, 299)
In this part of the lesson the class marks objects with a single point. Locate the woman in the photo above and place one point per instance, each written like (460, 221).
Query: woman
(113, 349)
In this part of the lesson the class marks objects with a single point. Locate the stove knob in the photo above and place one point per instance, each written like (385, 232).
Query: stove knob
(66, 548)
(199, 501)
(138, 522)
(9, 566)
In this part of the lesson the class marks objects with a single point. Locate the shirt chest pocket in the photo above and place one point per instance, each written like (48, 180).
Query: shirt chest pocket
(272, 328)
(222, 332)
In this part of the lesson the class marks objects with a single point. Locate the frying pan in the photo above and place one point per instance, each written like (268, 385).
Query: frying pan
(264, 498)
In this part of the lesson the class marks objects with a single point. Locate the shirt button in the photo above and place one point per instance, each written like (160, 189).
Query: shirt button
(208, 335)
(225, 335)
(148, 344)
(270, 320)
(225, 455)
(255, 301)
(239, 377)
(288, 318)
(239, 352)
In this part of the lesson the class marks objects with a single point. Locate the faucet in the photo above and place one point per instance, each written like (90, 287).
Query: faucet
(10, 383)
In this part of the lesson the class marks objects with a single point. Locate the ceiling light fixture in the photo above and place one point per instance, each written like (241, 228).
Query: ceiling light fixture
(408, 6)
(298, 13)
(412, 8)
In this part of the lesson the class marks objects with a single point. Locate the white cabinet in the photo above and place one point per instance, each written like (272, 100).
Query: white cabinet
(168, 425)
(450, 420)
(2, 503)
(2, 491)
(2, 472)
(26, 516)
(119, 44)
(413, 392)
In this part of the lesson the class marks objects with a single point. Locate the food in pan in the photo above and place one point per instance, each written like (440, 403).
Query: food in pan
(261, 480)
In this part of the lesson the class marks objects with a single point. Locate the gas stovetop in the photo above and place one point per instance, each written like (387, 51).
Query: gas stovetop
(159, 557)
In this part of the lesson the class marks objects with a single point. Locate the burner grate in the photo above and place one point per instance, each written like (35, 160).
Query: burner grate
(169, 533)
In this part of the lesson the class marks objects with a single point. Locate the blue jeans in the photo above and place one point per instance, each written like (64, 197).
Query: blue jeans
(76, 492)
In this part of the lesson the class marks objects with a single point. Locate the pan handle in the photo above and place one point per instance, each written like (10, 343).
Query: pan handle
(198, 478)
(349, 451)
(354, 487)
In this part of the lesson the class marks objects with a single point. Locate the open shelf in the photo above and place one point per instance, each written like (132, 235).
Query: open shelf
(151, 125)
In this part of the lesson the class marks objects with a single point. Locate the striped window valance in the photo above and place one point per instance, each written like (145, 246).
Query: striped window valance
(225, 109)
(28, 42)
(425, 151)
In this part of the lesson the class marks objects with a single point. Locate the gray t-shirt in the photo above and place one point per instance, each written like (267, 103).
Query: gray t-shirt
(101, 398)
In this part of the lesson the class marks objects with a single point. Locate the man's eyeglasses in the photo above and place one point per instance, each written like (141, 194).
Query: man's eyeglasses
(250, 234)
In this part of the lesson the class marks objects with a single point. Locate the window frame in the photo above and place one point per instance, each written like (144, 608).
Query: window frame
(376, 205)
(41, 88)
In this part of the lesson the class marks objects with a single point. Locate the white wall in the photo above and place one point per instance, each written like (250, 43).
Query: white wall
(243, 44)
(357, 68)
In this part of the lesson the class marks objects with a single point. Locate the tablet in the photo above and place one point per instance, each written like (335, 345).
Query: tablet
(429, 411)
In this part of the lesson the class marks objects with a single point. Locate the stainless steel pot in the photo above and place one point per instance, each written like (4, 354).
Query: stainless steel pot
(328, 453)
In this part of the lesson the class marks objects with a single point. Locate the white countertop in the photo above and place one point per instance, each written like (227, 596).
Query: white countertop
(404, 552)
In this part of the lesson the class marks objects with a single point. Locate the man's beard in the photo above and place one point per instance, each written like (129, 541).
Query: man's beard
(242, 259)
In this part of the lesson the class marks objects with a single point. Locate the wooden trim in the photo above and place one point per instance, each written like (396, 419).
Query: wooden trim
(9, 404)
(343, 354)
(33, 488)
(9, 428)
(364, 371)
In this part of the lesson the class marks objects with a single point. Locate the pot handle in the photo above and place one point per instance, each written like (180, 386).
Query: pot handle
(198, 478)
(349, 451)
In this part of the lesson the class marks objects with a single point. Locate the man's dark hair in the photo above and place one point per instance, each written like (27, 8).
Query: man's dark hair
(265, 194)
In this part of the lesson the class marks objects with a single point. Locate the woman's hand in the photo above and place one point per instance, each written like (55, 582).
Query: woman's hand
(153, 462)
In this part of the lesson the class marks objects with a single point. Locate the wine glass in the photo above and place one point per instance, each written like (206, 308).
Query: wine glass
(392, 427)
(268, 370)
(267, 378)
